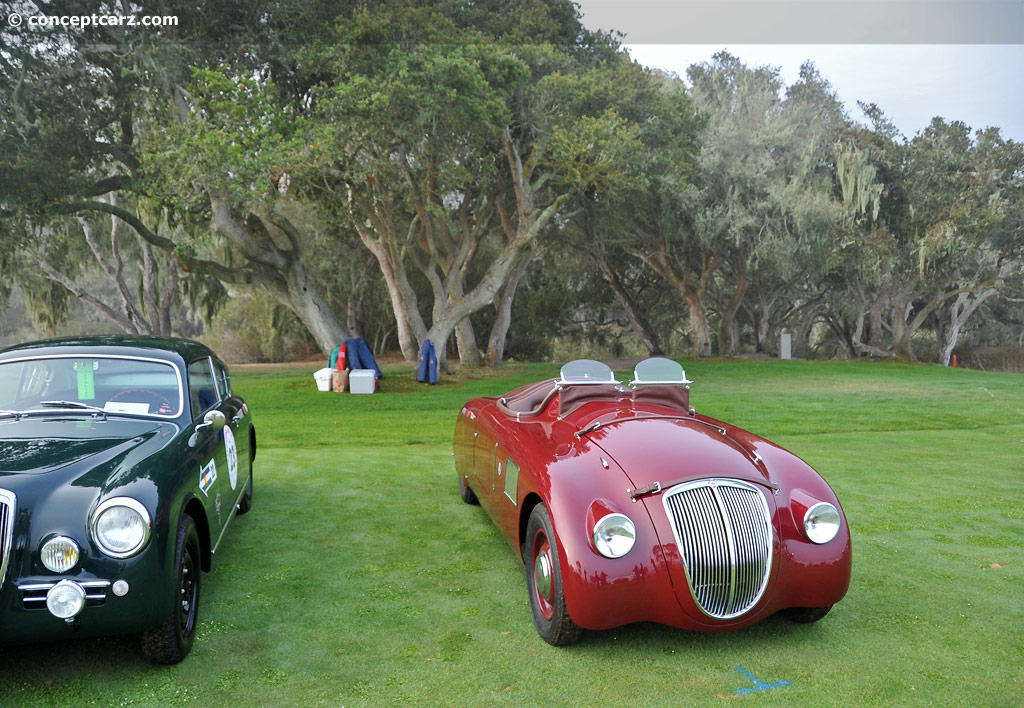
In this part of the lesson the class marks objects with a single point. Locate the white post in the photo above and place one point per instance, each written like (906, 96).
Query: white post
(785, 346)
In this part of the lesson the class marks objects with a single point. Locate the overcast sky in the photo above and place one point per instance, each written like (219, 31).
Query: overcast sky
(981, 84)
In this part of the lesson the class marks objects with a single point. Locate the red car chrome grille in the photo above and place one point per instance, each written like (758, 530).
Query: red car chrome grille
(724, 532)
(7, 506)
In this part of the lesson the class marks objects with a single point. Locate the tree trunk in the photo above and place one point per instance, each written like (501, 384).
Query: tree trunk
(168, 300)
(760, 321)
(728, 335)
(133, 316)
(503, 306)
(640, 323)
(876, 320)
(316, 314)
(960, 312)
(355, 311)
(802, 338)
(763, 331)
(901, 333)
(700, 327)
(693, 297)
(150, 297)
(465, 340)
(856, 340)
(465, 335)
(284, 275)
(841, 329)
(440, 342)
(404, 312)
(728, 328)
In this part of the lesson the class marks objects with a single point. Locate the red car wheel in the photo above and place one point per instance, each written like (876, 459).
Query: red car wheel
(544, 582)
(542, 586)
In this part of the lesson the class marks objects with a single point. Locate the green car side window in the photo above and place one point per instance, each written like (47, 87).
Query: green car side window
(202, 386)
(223, 379)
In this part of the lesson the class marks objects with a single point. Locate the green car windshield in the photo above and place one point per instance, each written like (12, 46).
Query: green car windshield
(112, 384)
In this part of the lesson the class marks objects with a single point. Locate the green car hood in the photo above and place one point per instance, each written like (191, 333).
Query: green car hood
(39, 446)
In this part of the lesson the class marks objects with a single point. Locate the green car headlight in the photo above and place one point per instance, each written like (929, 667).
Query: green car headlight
(121, 527)
(614, 535)
(59, 554)
(821, 522)
(65, 599)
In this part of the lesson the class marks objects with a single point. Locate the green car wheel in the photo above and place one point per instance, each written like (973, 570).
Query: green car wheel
(171, 641)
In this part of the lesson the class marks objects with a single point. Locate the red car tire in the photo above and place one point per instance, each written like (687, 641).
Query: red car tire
(544, 582)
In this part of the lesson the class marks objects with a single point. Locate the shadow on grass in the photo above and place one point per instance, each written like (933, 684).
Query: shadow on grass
(120, 653)
(642, 636)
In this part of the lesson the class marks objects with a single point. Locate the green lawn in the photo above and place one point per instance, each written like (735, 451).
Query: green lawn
(361, 579)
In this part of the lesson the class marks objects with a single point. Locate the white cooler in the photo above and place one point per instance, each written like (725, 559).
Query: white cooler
(323, 379)
(362, 380)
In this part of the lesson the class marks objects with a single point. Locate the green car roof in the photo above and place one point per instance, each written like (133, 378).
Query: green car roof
(136, 345)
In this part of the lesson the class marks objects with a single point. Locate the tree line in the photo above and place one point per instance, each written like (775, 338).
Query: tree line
(483, 175)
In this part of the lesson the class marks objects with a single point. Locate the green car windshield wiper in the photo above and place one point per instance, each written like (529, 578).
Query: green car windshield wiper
(74, 404)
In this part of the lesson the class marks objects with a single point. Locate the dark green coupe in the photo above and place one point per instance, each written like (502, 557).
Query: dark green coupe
(122, 461)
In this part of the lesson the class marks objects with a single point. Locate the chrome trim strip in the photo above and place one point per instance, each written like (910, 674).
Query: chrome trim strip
(8, 511)
(35, 587)
(636, 382)
(98, 592)
(41, 599)
(234, 510)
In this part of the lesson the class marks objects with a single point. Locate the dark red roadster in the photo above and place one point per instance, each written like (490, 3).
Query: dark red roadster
(626, 505)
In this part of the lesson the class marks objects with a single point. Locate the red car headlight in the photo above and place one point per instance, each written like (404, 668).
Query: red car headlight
(614, 535)
(821, 522)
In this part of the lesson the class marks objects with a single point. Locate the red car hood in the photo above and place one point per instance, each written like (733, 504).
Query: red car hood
(674, 450)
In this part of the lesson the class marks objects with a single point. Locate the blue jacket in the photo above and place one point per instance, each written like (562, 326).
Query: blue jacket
(360, 356)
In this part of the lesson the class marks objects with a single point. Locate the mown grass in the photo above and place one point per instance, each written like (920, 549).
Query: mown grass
(361, 579)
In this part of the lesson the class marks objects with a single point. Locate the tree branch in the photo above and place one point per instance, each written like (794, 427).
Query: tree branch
(51, 274)
(187, 264)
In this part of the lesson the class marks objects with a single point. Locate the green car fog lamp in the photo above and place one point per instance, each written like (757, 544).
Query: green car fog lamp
(65, 600)
(59, 554)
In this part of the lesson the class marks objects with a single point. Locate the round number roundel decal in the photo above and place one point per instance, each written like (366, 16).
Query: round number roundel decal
(232, 454)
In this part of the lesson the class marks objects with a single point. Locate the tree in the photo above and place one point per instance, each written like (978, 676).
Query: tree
(633, 223)
(69, 134)
(968, 196)
(99, 95)
(934, 234)
(146, 309)
(854, 282)
(446, 148)
(761, 197)
(799, 209)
